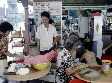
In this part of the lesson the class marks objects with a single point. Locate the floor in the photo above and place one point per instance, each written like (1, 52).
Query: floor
(37, 81)
(33, 81)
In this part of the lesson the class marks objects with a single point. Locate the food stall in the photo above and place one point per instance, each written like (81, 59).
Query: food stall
(25, 62)
(20, 46)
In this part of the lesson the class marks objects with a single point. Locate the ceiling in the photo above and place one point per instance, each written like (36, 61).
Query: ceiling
(31, 1)
(77, 2)
(84, 1)
(45, 0)
(87, 2)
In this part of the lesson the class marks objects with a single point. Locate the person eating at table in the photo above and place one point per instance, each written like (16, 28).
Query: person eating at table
(67, 59)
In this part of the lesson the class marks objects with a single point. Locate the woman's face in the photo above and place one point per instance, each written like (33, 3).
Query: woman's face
(45, 20)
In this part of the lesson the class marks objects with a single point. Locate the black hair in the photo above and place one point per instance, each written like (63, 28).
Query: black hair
(68, 45)
(6, 26)
(51, 21)
(75, 34)
(72, 41)
(46, 14)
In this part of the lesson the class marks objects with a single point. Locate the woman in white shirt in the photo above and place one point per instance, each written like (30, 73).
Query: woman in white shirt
(46, 33)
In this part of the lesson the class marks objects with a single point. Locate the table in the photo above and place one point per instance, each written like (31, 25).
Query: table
(31, 76)
(105, 78)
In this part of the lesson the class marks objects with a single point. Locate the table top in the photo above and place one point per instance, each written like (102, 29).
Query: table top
(105, 78)
(31, 76)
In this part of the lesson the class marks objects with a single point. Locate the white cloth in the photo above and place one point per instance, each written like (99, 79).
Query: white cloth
(60, 57)
(98, 23)
(46, 36)
(99, 48)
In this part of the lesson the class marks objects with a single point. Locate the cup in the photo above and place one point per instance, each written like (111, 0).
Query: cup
(106, 67)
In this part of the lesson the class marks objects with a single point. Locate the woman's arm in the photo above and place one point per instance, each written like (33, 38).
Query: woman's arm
(105, 49)
(70, 71)
(55, 42)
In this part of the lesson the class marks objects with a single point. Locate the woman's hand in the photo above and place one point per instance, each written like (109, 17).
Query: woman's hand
(69, 71)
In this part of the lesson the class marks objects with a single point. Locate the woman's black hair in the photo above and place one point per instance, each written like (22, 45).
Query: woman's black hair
(72, 41)
(6, 26)
(46, 14)
(51, 21)
(68, 45)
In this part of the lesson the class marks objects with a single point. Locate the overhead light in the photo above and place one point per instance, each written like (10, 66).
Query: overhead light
(24, 2)
(19, 1)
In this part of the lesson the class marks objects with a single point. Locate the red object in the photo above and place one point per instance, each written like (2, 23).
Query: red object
(96, 14)
(77, 81)
(20, 61)
(107, 57)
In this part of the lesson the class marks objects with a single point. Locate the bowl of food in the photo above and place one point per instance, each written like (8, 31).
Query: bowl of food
(41, 66)
(23, 71)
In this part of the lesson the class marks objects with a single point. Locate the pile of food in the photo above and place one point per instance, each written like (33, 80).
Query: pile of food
(18, 68)
(24, 64)
(85, 72)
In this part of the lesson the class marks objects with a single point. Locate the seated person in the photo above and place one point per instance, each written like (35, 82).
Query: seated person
(5, 29)
(87, 56)
(67, 58)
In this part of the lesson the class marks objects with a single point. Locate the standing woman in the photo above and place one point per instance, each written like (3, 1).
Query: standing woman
(5, 29)
(46, 34)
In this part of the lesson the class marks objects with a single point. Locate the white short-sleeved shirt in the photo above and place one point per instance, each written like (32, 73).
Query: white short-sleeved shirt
(46, 36)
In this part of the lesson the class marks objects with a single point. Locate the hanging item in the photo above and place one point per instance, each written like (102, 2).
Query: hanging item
(97, 28)
(97, 37)
(98, 22)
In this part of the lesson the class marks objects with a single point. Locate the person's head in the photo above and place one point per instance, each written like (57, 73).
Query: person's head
(45, 17)
(51, 21)
(72, 42)
(5, 28)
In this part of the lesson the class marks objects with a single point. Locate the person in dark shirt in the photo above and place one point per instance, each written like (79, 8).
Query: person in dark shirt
(5, 28)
